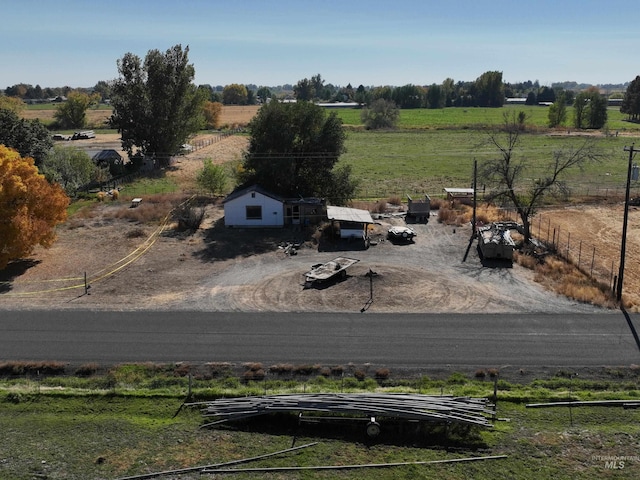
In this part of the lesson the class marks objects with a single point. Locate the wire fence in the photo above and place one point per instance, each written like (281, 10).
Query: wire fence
(585, 255)
(600, 262)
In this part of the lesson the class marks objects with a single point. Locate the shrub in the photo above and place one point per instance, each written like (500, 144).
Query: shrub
(219, 369)
(212, 178)
(306, 369)
(182, 370)
(254, 375)
(360, 374)
(380, 207)
(32, 368)
(381, 114)
(480, 373)
(136, 233)
(87, 369)
(382, 374)
(457, 378)
(281, 369)
(189, 216)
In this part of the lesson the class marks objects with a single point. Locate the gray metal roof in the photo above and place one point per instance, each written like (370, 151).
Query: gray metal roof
(344, 214)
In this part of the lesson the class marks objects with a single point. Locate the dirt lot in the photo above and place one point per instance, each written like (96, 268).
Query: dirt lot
(135, 266)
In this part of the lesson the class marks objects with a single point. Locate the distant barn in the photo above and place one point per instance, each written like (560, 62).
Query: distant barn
(110, 159)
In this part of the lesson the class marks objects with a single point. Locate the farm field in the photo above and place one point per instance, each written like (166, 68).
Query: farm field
(71, 436)
(426, 161)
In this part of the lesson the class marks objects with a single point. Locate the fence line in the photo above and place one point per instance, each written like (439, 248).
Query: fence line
(580, 252)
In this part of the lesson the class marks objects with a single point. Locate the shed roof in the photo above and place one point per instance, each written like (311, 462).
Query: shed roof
(106, 155)
(345, 214)
(458, 191)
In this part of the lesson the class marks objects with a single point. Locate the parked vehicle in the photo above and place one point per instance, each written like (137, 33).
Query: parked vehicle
(401, 234)
(60, 136)
(83, 135)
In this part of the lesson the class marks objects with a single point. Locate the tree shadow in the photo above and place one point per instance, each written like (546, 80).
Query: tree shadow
(328, 243)
(223, 243)
(13, 270)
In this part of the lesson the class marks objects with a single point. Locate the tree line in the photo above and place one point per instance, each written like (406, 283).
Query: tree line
(449, 93)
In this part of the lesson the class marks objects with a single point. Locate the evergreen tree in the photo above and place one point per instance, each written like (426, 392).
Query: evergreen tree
(631, 101)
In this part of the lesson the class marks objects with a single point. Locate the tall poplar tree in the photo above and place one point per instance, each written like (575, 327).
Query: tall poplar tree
(156, 105)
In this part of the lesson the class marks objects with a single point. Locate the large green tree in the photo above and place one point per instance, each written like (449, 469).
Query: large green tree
(558, 111)
(408, 96)
(73, 112)
(235, 94)
(489, 89)
(156, 105)
(380, 114)
(590, 109)
(29, 137)
(71, 168)
(631, 100)
(294, 150)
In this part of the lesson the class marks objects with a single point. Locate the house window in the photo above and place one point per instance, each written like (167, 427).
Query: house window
(254, 212)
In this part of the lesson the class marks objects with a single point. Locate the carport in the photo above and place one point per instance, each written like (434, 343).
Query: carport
(353, 223)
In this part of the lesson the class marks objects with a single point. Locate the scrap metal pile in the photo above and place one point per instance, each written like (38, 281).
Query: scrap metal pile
(366, 406)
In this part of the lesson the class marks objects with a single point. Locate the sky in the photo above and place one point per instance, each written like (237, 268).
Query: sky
(77, 43)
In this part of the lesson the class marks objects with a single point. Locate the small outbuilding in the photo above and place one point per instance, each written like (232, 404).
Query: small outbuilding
(352, 222)
(462, 195)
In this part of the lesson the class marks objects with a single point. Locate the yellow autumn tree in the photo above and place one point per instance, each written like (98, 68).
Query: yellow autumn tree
(212, 112)
(30, 207)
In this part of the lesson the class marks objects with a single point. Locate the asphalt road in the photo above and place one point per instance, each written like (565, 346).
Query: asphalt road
(406, 340)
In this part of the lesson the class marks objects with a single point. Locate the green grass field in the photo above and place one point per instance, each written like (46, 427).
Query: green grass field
(129, 422)
(434, 149)
(415, 162)
(475, 117)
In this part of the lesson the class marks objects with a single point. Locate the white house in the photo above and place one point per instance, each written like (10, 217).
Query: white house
(253, 207)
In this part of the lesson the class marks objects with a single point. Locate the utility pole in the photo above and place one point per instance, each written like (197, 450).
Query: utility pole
(473, 220)
(623, 246)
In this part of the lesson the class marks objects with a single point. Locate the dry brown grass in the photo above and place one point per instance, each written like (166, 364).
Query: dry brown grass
(232, 116)
(566, 279)
(154, 209)
(455, 214)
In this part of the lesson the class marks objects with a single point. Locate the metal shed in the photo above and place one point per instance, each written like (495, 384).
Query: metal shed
(353, 222)
(462, 195)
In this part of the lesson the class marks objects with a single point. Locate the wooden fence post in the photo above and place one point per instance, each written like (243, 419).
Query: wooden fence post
(579, 253)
